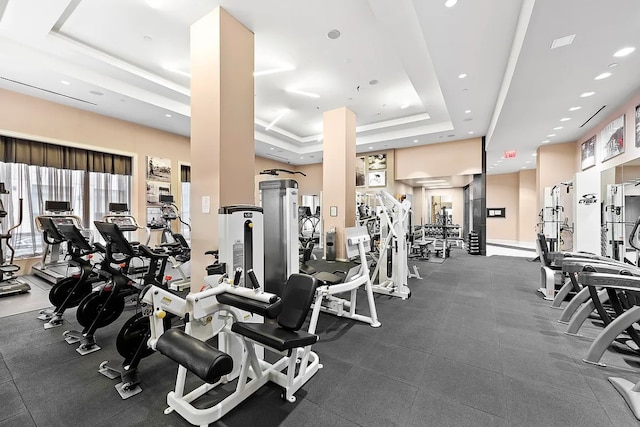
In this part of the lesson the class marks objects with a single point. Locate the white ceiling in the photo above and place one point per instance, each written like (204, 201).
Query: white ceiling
(118, 55)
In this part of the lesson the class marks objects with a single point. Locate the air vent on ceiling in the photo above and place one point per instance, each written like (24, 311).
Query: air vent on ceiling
(563, 41)
(48, 91)
(278, 157)
(594, 114)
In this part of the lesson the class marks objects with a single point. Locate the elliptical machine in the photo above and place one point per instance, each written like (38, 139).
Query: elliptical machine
(9, 283)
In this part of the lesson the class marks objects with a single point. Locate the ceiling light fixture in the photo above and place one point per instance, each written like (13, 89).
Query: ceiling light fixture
(624, 52)
(273, 71)
(462, 76)
(431, 181)
(278, 117)
(558, 128)
(587, 94)
(563, 41)
(271, 148)
(470, 132)
(535, 154)
(64, 82)
(370, 148)
(551, 135)
(602, 76)
(545, 141)
(613, 65)
(167, 115)
(405, 106)
(574, 108)
(415, 140)
(565, 119)
(467, 111)
(303, 93)
(450, 3)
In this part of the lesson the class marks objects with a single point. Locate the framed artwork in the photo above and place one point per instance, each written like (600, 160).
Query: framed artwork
(638, 126)
(360, 171)
(588, 153)
(378, 179)
(497, 213)
(612, 139)
(154, 217)
(158, 169)
(377, 162)
(155, 190)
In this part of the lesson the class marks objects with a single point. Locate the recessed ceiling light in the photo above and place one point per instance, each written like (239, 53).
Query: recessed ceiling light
(551, 135)
(271, 148)
(624, 52)
(524, 167)
(562, 41)
(415, 140)
(370, 148)
(535, 154)
(586, 94)
(405, 106)
(273, 71)
(528, 161)
(303, 93)
(95, 92)
(333, 34)
(545, 141)
(462, 76)
(602, 76)
(64, 82)
(301, 157)
(558, 128)
(565, 119)
(450, 3)
(470, 132)
(467, 111)
(499, 161)
(167, 115)
(574, 108)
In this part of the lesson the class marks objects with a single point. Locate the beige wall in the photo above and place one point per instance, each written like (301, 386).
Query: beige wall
(555, 163)
(31, 118)
(312, 183)
(503, 192)
(436, 160)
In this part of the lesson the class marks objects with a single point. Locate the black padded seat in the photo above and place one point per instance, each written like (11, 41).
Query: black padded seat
(207, 362)
(327, 278)
(266, 309)
(273, 336)
(297, 296)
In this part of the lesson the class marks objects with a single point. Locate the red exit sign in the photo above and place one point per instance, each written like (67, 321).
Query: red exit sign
(510, 154)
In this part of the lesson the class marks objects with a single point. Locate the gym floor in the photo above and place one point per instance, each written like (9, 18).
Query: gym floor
(475, 345)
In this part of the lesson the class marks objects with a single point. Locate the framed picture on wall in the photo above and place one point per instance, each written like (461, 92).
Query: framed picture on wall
(638, 126)
(378, 179)
(612, 139)
(588, 153)
(158, 169)
(360, 171)
(377, 162)
(156, 189)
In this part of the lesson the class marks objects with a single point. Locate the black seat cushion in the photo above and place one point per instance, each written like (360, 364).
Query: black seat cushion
(274, 336)
(207, 362)
(268, 310)
(328, 278)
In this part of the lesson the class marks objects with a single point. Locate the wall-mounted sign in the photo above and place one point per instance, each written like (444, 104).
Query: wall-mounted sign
(496, 212)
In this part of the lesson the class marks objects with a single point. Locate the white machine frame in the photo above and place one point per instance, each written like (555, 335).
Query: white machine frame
(252, 373)
(326, 300)
(393, 217)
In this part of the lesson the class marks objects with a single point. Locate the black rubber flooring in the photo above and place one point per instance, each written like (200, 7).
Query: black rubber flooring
(475, 345)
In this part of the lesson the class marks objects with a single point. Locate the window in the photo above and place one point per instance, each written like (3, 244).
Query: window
(88, 192)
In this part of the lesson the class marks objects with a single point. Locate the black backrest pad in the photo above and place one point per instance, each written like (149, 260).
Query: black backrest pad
(542, 240)
(297, 297)
(74, 235)
(113, 235)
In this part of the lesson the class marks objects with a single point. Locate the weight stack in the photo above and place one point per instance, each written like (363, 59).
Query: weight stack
(473, 246)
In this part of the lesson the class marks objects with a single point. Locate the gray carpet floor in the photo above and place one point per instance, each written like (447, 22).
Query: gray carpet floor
(475, 345)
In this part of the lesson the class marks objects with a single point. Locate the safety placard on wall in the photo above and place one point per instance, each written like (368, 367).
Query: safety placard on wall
(496, 212)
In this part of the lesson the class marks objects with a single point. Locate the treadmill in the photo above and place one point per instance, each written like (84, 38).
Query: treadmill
(53, 265)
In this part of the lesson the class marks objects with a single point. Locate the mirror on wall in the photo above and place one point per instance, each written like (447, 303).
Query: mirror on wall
(441, 207)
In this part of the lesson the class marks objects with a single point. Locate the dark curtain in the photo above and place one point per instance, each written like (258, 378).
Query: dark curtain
(185, 173)
(16, 150)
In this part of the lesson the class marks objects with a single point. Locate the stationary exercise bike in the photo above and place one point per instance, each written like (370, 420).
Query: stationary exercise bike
(70, 291)
(9, 283)
(101, 308)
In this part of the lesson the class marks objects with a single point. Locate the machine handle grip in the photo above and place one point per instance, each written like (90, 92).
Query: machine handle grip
(254, 280)
(236, 277)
